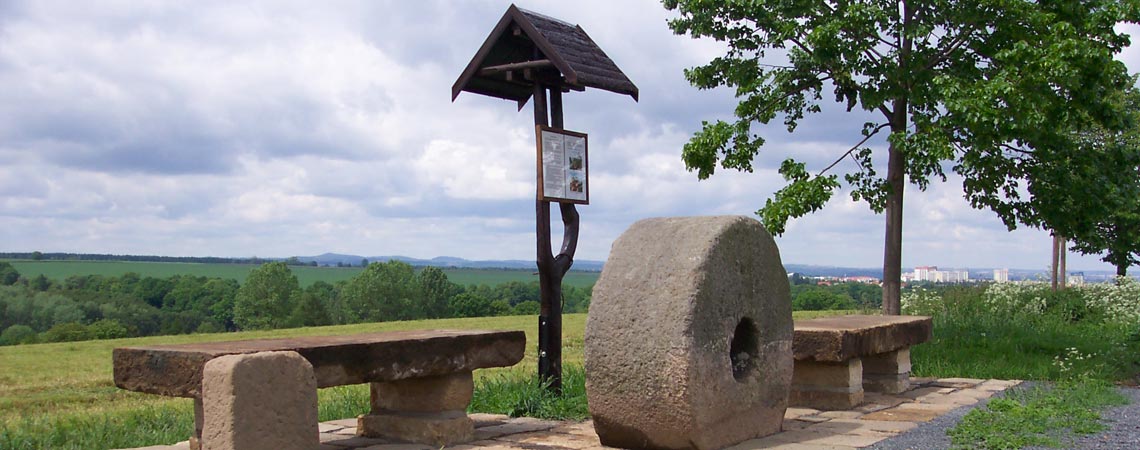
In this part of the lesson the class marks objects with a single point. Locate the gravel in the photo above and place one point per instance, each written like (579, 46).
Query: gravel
(1123, 432)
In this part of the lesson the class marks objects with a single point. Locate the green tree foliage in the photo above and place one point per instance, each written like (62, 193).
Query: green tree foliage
(8, 274)
(435, 291)
(469, 304)
(819, 299)
(265, 301)
(67, 332)
(17, 334)
(988, 86)
(382, 292)
(309, 312)
(1091, 195)
(527, 308)
(108, 329)
(40, 283)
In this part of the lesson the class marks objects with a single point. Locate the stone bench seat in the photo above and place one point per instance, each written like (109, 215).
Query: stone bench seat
(837, 358)
(421, 380)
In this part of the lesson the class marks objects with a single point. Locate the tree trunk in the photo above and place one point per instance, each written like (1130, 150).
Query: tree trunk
(1054, 264)
(1122, 270)
(892, 253)
(1063, 276)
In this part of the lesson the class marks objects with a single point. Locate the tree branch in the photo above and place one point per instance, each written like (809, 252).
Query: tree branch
(853, 148)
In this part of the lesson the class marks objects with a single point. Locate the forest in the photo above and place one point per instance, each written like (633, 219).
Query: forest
(82, 307)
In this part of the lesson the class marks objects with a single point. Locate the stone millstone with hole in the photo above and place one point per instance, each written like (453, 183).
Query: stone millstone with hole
(689, 337)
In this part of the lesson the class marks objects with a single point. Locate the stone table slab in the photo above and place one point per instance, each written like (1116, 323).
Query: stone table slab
(839, 338)
(176, 370)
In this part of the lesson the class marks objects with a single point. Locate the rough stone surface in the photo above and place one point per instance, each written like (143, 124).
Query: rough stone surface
(827, 385)
(663, 318)
(436, 429)
(176, 370)
(259, 401)
(432, 394)
(841, 338)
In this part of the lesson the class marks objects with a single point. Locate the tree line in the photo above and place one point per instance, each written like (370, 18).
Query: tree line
(39, 309)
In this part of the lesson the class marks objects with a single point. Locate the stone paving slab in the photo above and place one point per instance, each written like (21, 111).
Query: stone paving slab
(880, 417)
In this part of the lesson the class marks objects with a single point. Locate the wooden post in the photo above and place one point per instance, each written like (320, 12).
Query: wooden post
(551, 268)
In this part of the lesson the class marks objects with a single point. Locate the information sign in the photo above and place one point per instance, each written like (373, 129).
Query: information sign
(563, 166)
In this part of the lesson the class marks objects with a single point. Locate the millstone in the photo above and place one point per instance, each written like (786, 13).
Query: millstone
(689, 335)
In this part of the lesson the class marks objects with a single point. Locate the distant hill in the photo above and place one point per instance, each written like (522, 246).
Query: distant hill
(444, 261)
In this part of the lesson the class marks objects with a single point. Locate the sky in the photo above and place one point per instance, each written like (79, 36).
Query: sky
(294, 128)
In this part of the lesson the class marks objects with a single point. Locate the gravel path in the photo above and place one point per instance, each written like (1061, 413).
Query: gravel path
(1123, 432)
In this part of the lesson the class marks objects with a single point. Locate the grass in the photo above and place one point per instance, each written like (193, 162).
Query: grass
(62, 395)
(1039, 416)
(306, 275)
(1078, 356)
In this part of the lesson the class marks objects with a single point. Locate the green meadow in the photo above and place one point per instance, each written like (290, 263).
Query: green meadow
(60, 270)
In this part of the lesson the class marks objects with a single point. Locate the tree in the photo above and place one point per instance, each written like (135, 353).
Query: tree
(987, 86)
(265, 300)
(435, 291)
(8, 274)
(469, 304)
(309, 312)
(1095, 201)
(382, 291)
(17, 334)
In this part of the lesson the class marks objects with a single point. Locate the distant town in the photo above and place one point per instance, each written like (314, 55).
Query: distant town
(932, 274)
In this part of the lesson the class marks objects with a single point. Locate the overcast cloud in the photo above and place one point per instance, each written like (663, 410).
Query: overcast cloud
(297, 128)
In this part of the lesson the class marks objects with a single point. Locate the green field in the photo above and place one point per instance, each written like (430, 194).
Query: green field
(60, 270)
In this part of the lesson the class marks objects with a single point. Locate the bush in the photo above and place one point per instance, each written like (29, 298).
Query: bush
(18, 334)
(67, 332)
(108, 329)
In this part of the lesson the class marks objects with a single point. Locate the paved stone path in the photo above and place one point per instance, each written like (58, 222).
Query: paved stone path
(878, 418)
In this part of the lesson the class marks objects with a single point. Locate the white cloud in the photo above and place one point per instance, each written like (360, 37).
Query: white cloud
(293, 128)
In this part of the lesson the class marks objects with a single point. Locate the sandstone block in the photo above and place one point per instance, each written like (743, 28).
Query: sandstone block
(437, 429)
(259, 401)
(888, 373)
(688, 339)
(432, 394)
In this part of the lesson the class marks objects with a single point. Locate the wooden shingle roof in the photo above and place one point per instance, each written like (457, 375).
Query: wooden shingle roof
(526, 47)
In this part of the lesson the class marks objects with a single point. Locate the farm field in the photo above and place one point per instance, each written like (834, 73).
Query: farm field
(60, 270)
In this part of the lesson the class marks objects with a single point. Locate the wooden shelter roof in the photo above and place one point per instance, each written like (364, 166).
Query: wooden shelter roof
(526, 47)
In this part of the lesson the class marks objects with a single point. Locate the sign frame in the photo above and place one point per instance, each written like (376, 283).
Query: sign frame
(560, 161)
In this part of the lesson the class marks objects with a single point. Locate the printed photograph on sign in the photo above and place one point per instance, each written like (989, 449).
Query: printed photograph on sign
(563, 166)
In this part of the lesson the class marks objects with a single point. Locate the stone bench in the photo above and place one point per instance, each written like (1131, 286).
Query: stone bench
(837, 358)
(420, 380)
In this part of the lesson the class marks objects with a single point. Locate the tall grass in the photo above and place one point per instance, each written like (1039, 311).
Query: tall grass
(1020, 331)
(1078, 340)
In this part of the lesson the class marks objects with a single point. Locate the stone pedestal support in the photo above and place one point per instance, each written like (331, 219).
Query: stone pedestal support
(888, 373)
(421, 410)
(827, 385)
(259, 401)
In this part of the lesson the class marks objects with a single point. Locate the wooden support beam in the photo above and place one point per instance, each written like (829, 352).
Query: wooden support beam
(491, 70)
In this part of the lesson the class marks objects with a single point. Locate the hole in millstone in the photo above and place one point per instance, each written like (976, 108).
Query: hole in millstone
(743, 351)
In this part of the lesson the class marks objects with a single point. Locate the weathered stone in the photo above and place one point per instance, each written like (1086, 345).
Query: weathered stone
(888, 373)
(841, 338)
(438, 429)
(176, 370)
(432, 394)
(259, 401)
(827, 385)
(688, 339)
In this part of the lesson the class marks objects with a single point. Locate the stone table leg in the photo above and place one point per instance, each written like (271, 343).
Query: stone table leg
(431, 410)
(888, 373)
(827, 385)
(196, 439)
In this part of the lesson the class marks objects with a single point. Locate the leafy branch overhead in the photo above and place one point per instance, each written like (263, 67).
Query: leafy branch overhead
(983, 88)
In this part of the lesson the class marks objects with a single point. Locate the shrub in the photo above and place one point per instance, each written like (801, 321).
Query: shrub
(18, 334)
(108, 329)
(67, 332)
